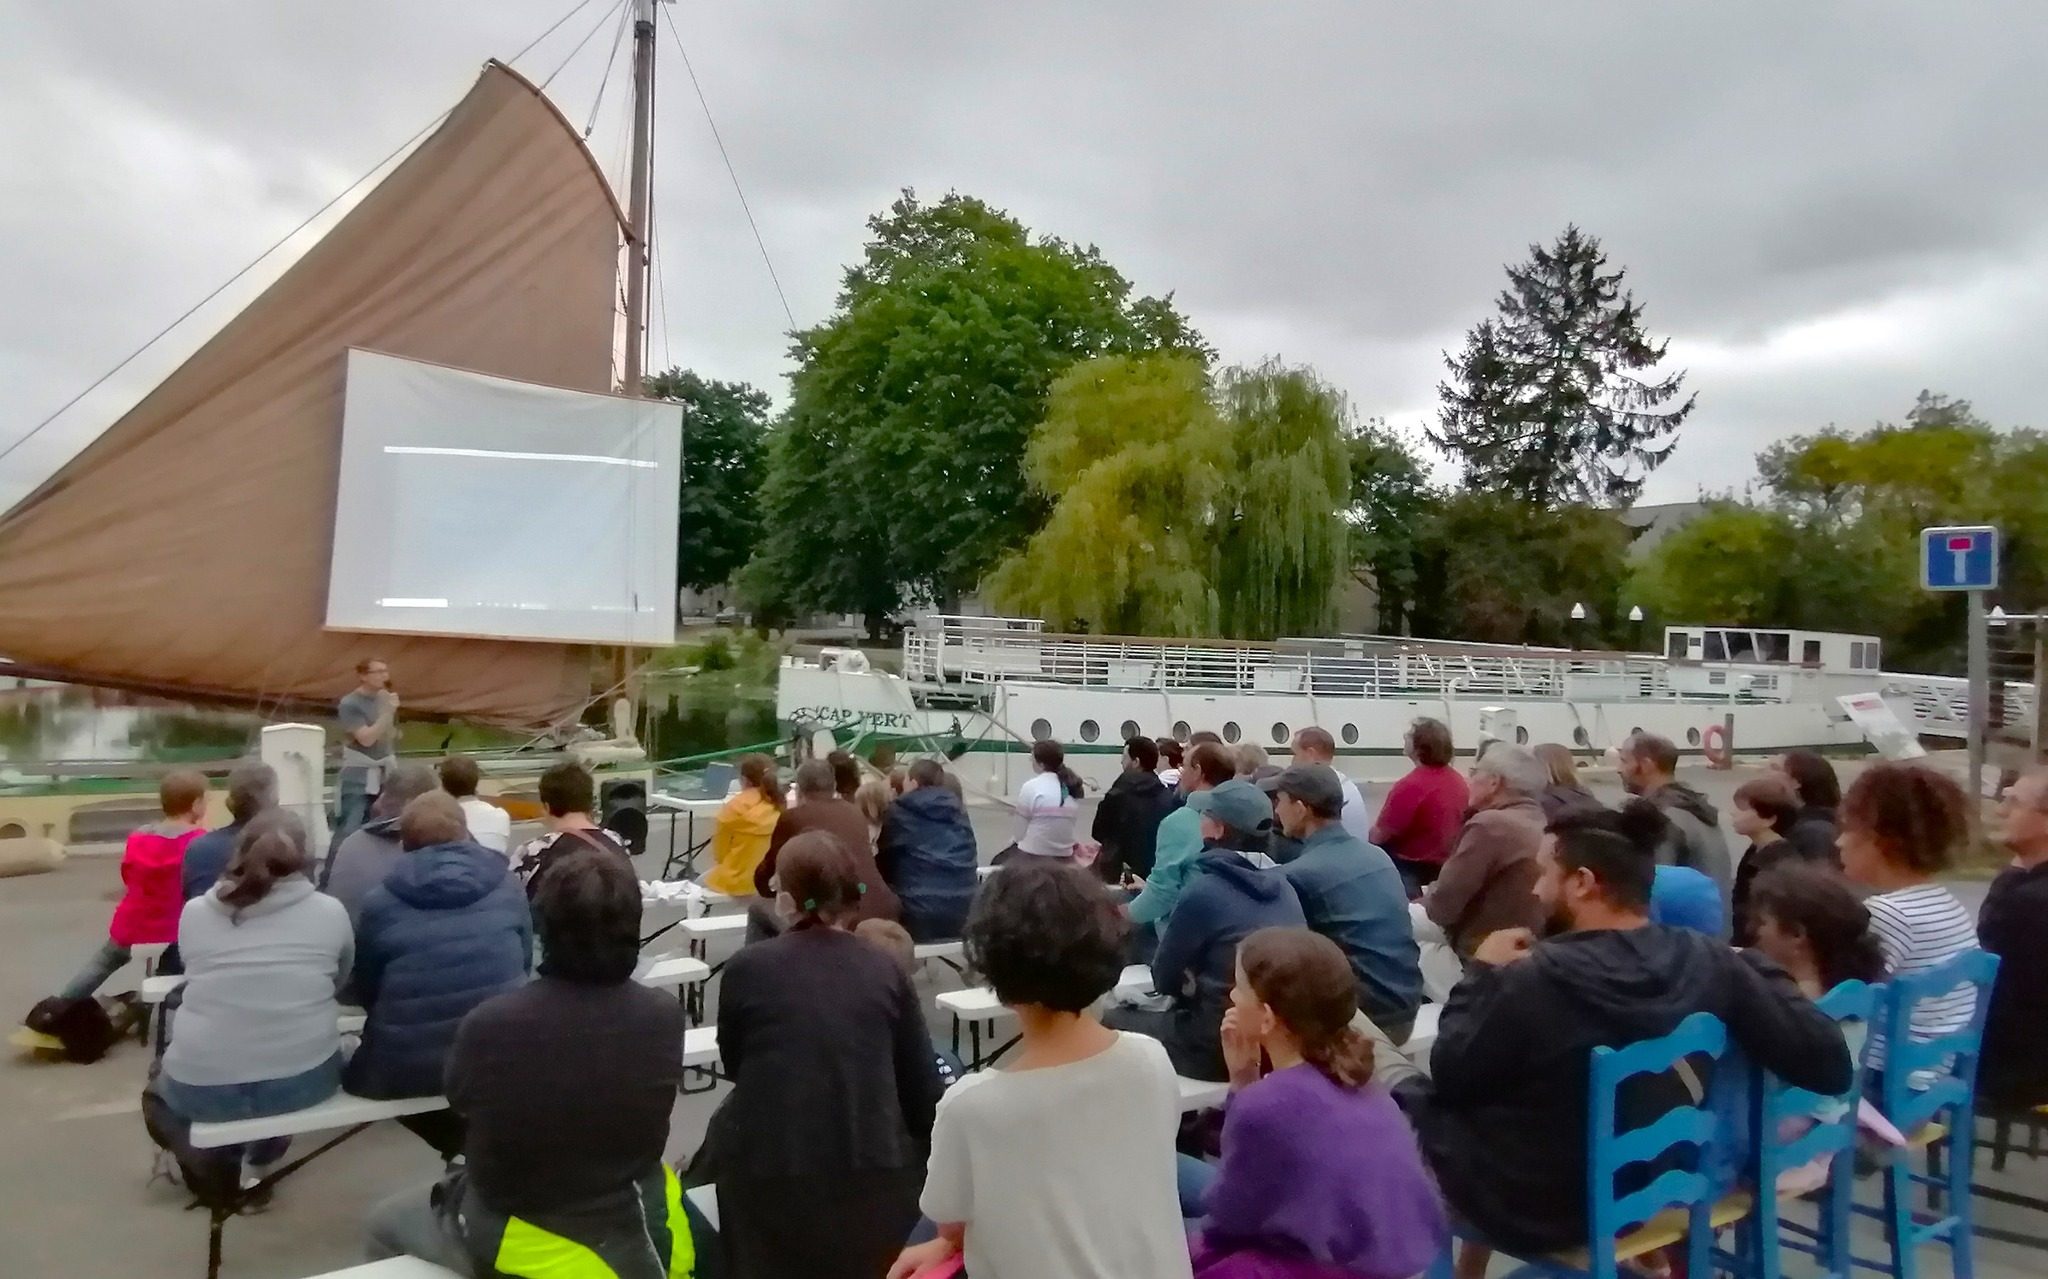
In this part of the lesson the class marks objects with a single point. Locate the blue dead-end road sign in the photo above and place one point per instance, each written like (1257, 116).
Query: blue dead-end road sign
(1959, 559)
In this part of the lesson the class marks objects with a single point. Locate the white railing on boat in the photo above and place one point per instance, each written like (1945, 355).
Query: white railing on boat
(1941, 703)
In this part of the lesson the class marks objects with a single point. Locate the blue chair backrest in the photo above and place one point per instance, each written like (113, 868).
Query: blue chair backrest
(1832, 1117)
(1945, 1063)
(1697, 1125)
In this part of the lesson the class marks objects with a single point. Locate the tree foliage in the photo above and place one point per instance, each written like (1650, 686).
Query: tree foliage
(1391, 505)
(1556, 399)
(1182, 507)
(1834, 542)
(724, 428)
(1497, 569)
(895, 473)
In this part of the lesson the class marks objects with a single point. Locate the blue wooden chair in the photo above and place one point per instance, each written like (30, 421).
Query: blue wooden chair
(1929, 1094)
(1684, 1202)
(1830, 1132)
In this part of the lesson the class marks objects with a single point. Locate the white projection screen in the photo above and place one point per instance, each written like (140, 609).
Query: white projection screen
(478, 506)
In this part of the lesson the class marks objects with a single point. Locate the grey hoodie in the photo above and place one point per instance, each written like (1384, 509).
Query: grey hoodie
(259, 986)
(1695, 839)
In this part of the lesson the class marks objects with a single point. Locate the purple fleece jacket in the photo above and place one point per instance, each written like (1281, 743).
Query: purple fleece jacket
(1318, 1181)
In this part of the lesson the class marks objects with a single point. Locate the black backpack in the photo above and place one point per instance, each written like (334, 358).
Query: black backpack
(82, 1026)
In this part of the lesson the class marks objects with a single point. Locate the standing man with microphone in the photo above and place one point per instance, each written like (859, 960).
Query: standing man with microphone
(368, 716)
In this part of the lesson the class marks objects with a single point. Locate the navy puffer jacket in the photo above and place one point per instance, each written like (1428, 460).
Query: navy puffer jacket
(446, 930)
(926, 853)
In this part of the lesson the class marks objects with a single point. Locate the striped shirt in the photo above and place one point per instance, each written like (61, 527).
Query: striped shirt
(1921, 928)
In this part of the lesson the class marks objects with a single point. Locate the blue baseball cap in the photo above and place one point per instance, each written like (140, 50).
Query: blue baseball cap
(1239, 805)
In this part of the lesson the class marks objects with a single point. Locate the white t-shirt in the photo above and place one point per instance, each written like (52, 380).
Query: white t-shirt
(1048, 813)
(1066, 1172)
(1354, 819)
(1920, 928)
(489, 824)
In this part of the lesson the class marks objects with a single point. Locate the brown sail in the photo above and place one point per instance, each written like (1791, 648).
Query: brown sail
(187, 548)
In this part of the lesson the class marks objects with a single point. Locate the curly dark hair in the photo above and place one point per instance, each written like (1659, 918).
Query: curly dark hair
(1046, 935)
(1916, 815)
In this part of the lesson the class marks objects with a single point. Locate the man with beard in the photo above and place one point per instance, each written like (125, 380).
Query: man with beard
(1649, 767)
(1503, 1114)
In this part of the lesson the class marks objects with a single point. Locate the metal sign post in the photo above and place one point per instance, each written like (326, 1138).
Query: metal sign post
(1965, 558)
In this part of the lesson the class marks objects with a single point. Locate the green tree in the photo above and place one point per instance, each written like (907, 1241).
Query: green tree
(719, 520)
(1556, 398)
(1391, 505)
(1133, 455)
(1733, 564)
(894, 474)
(1282, 541)
(1500, 570)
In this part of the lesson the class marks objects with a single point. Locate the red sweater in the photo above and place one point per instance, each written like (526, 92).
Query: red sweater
(154, 892)
(1420, 819)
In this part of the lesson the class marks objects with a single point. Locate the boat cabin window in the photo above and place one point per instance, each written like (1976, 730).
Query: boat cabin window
(1809, 653)
(1774, 646)
(1716, 650)
(1675, 648)
(1741, 646)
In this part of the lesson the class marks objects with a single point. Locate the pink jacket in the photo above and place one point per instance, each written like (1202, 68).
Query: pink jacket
(152, 868)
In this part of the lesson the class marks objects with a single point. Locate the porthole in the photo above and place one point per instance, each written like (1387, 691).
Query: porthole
(13, 830)
(1521, 736)
(1041, 730)
(1129, 729)
(1232, 733)
(1579, 737)
(1090, 730)
(1351, 734)
(1279, 734)
(1180, 730)
(1692, 737)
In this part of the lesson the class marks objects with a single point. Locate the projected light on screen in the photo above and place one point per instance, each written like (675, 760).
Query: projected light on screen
(474, 505)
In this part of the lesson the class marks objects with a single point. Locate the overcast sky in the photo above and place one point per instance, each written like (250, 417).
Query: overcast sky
(1826, 206)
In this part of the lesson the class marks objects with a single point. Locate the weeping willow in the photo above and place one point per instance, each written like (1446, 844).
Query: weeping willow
(1281, 542)
(1182, 508)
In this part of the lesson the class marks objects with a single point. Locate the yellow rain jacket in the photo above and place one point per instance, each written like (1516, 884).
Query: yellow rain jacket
(739, 841)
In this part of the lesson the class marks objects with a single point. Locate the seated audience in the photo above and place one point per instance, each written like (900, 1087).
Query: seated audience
(565, 1086)
(846, 774)
(1047, 806)
(1180, 837)
(739, 837)
(1488, 882)
(362, 860)
(1127, 818)
(820, 808)
(1059, 1164)
(489, 825)
(1419, 823)
(1820, 794)
(1351, 894)
(1566, 795)
(1503, 1116)
(1314, 745)
(1765, 808)
(1171, 753)
(2013, 924)
(152, 894)
(252, 789)
(447, 929)
(1681, 897)
(258, 1032)
(927, 854)
(1809, 922)
(1320, 1172)
(1649, 768)
(569, 794)
(833, 1083)
(1235, 890)
(1253, 765)
(1901, 825)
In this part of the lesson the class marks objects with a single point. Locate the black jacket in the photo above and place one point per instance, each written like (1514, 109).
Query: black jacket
(1227, 899)
(1127, 823)
(1759, 858)
(1813, 834)
(2013, 925)
(1503, 1117)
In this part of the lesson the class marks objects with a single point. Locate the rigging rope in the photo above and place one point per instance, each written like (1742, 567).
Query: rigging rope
(228, 283)
(610, 63)
(731, 172)
(601, 19)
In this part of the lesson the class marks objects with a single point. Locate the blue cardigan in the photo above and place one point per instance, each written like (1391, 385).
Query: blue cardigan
(446, 930)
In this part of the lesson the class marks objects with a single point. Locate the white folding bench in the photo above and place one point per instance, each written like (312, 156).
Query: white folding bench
(394, 1268)
(976, 1007)
(155, 990)
(345, 1111)
(1200, 1094)
(953, 954)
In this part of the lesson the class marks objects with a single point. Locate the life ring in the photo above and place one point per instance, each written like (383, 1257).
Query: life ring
(1714, 745)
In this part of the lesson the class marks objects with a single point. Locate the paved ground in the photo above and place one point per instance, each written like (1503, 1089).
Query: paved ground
(74, 1162)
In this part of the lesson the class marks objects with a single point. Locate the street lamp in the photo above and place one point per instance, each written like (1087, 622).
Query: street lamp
(1578, 623)
(1635, 627)
(1996, 616)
